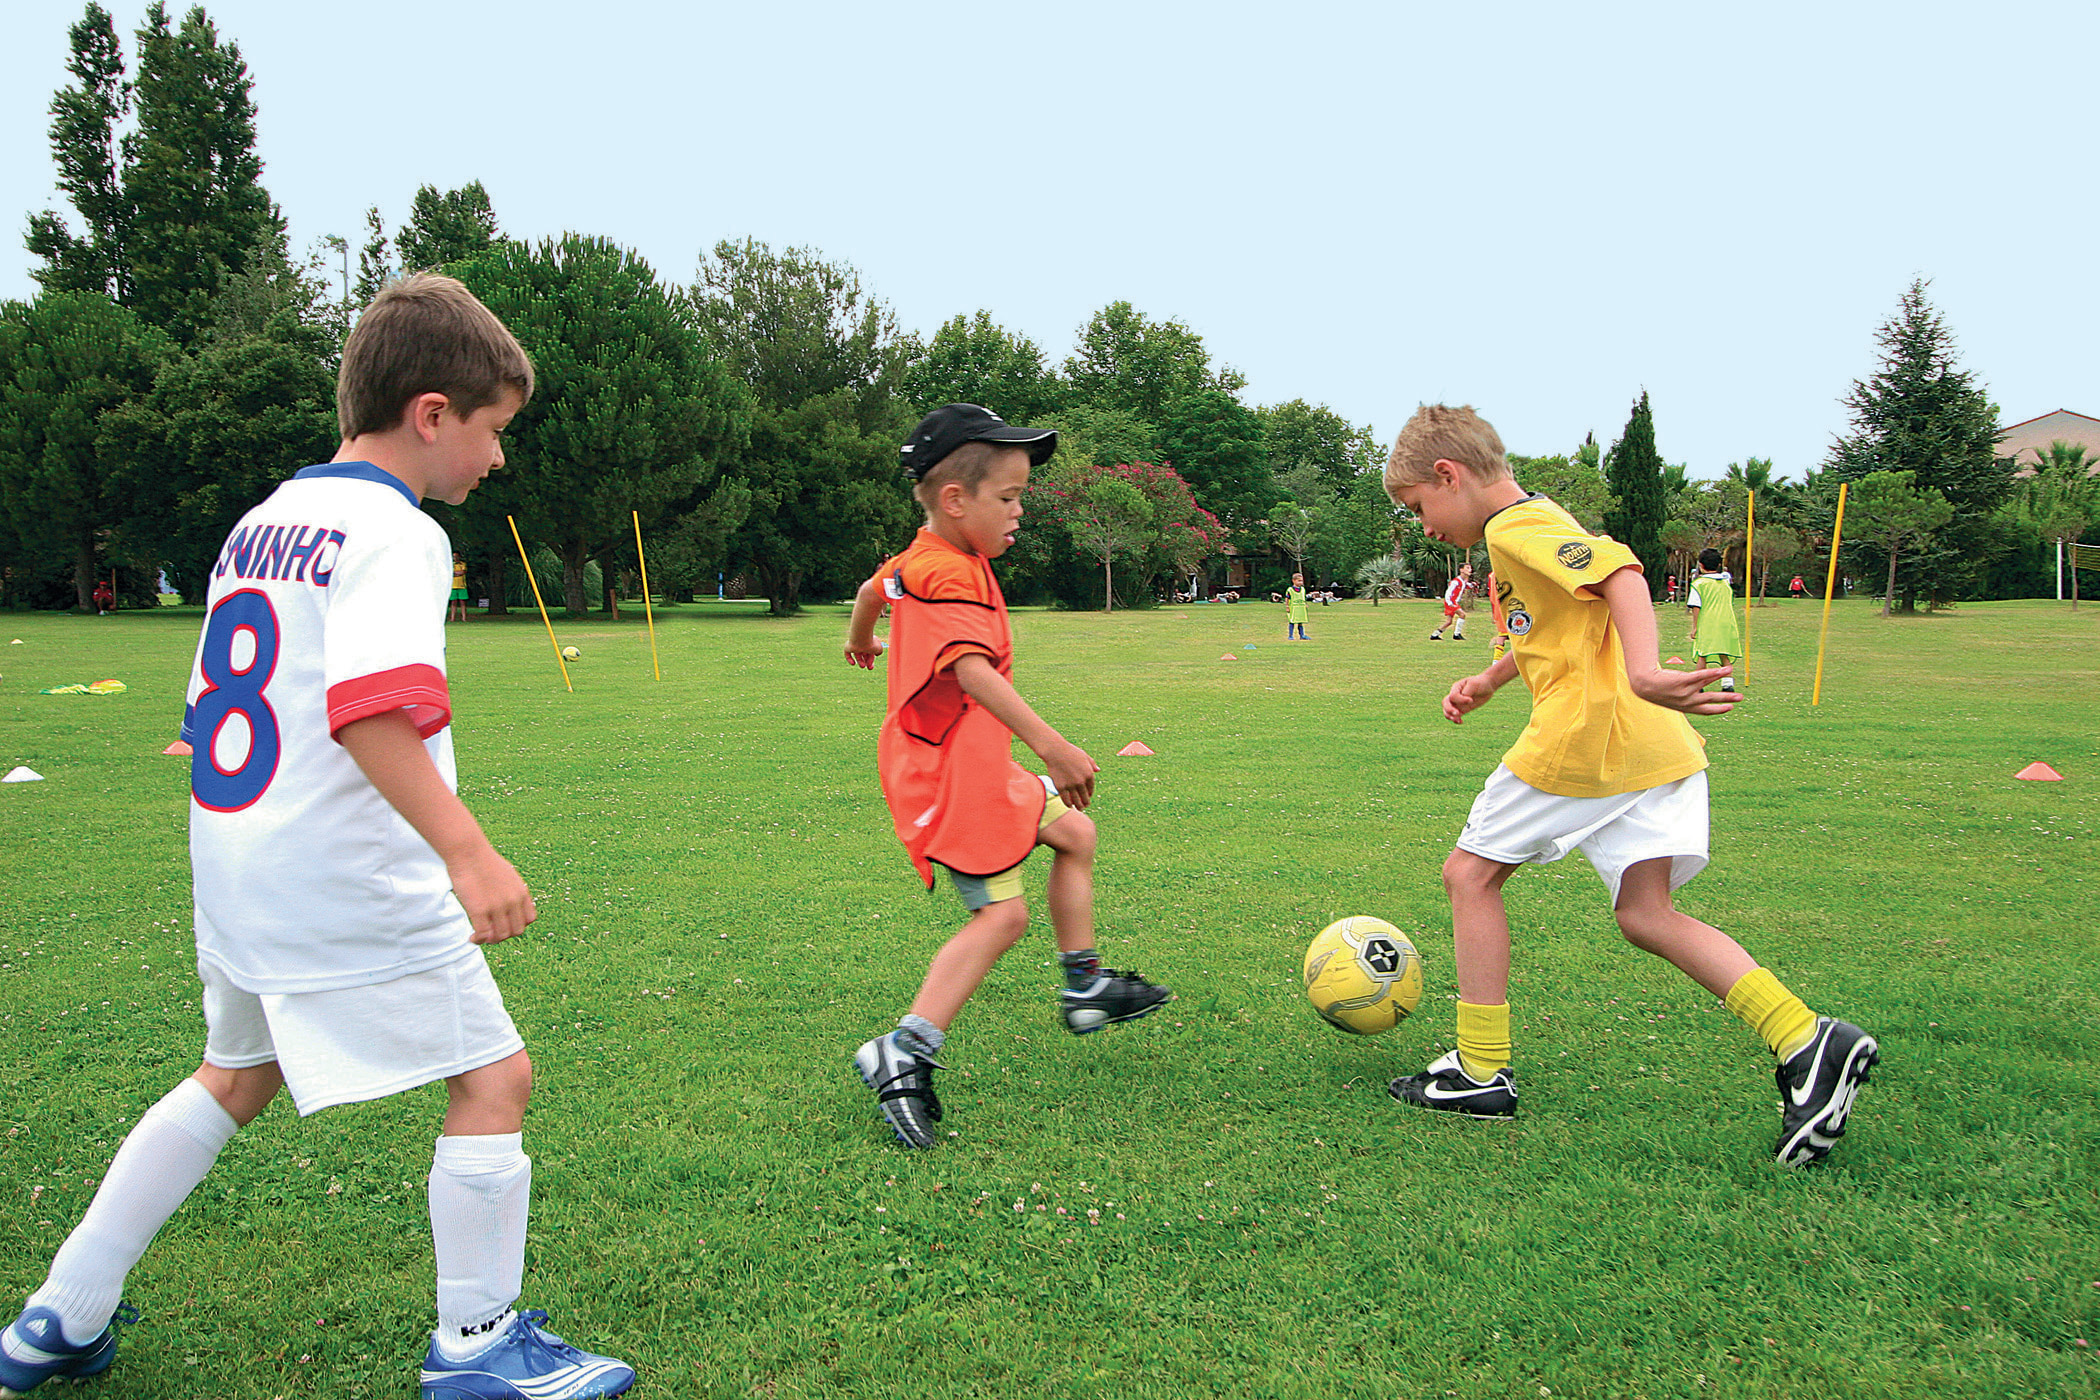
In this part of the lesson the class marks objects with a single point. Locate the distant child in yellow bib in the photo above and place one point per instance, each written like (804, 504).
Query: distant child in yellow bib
(1608, 765)
(1714, 639)
(1294, 627)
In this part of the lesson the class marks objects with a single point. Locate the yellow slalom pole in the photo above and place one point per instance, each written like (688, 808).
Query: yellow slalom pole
(646, 610)
(533, 579)
(1749, 583)
(1837, 531)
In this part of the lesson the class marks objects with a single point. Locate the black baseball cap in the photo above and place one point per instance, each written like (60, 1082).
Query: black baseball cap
(951, 425)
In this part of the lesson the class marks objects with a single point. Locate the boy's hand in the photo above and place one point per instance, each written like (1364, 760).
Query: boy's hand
(1467, 695)
(1072, 770)
(1686, 692)
(493, 894)
(864, 654)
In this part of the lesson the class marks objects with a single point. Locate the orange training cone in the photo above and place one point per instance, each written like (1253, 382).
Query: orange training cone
(2039, 772)
(1134, 749)
(1228, 656)
(1674, 661)
(179, 749)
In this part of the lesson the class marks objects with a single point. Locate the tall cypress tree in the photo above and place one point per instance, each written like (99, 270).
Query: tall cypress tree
(1922, 413)
(194, 182)
(84, 146)
(175, 205)
(1633, 469)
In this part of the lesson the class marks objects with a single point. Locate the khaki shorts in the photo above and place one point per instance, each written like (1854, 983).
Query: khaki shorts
(977, 891)
(360, 1043)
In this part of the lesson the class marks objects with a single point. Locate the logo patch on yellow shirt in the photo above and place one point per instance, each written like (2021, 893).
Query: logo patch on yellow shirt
(1574, 555)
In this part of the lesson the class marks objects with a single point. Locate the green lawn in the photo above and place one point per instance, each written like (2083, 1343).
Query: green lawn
(725, 915)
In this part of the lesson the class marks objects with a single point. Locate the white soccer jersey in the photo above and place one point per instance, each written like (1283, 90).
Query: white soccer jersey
(327, 605)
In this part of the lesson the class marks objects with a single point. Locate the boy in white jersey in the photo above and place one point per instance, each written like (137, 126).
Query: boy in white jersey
(341, 886)
(1608, 766)
(1456, 594)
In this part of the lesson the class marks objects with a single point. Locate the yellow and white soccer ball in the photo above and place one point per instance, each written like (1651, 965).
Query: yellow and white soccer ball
(571, 654)
(1363, 975)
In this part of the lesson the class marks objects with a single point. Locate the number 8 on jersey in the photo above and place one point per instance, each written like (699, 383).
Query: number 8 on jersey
(237, 659)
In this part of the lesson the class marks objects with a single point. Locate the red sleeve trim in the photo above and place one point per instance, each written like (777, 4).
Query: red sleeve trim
(418, 689)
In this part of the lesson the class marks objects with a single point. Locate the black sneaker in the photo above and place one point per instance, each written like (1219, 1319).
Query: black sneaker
(1113, 996)
(1436, 636)
(1816, 1089)
(1446, 1085)
(903, 1085)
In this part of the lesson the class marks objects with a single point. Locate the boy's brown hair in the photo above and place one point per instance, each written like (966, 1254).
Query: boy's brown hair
(968, 464)
(1439, 432)
(421, 335)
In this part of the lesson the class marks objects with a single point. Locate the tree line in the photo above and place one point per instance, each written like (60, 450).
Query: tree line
(179, 361)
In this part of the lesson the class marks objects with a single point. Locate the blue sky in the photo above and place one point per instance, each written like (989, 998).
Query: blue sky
(1538, 209)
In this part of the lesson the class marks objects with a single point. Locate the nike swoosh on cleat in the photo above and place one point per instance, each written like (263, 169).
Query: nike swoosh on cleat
(1435, 1091)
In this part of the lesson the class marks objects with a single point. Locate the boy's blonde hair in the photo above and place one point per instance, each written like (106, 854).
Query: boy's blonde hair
(968, 464)
(421, 335)
(1439, 432)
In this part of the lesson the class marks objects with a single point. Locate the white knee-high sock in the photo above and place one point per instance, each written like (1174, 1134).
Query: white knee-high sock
(480, 1191)
(162, 1160)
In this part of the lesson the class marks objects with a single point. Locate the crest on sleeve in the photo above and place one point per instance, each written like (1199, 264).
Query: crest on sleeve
(893, 586)
(1574, 555)
(1519, 622)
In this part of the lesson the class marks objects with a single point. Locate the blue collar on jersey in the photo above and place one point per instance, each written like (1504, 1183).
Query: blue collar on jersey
(359, 471)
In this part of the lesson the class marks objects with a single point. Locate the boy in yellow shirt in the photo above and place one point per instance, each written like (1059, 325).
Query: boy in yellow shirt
(1608, 766)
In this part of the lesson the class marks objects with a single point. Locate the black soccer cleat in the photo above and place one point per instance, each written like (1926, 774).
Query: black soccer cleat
(1446, 1085)
(903, 1085)
(1817, 1085)
(1112, 996)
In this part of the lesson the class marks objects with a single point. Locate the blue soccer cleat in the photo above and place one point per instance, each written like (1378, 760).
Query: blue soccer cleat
(526, 1363)
(34, 1349)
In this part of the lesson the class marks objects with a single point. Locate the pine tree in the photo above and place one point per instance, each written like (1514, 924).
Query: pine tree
(1923, 414)
(632, 412)
(824, 366)
(84, 145)
(447, 228)
(373, 267)
(66, 360)
(1633, 469)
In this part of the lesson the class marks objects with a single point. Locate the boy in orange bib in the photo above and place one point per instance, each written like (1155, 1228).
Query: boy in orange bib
(945, 755)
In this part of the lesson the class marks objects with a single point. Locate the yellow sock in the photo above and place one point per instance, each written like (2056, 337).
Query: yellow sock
(1772, 1011)
(1483, 1039)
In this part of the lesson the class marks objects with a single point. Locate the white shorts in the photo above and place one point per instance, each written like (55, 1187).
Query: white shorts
(1514, 823)
(359, 1043)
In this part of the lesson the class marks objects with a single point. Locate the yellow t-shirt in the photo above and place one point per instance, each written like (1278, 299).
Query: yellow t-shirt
(1590, 735)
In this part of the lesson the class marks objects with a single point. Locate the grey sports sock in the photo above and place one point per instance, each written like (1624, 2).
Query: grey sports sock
(918, 1036)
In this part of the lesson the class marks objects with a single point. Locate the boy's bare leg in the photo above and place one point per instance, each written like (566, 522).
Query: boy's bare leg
(490, 1099)
(964, 960)
(1652, 924)
(1479, 927)
(1071, 889)
(243, 1093)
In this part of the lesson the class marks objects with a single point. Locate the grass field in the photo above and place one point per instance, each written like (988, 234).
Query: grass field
(1221, 1200)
